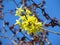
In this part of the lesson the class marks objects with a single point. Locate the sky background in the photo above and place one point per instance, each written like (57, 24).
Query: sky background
(52, 8)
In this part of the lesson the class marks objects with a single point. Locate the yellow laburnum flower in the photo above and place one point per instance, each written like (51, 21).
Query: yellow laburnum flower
(25, 24)
(29, 32)
(18, 22)
(39, 24)
(23, 18)
(28, 11)
(19, 11)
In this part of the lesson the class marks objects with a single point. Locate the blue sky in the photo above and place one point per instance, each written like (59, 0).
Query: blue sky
(52, 8)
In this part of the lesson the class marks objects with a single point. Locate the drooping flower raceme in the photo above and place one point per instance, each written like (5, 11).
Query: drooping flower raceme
(29, 22)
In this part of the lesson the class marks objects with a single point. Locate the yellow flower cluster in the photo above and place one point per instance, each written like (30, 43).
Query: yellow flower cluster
(28, 23)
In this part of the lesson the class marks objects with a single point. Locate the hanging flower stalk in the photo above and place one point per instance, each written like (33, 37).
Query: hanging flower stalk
(27, 21)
